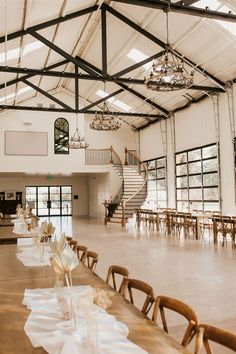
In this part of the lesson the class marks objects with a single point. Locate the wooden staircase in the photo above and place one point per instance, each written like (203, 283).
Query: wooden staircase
(132, 190)
(133, 181)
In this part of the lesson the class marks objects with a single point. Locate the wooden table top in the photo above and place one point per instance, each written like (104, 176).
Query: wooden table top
(15, 277)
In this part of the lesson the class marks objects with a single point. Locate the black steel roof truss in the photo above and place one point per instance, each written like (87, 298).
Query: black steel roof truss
(183, 8)
(160, 43)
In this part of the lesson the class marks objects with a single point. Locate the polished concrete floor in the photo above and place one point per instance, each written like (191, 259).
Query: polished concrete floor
(195, 271)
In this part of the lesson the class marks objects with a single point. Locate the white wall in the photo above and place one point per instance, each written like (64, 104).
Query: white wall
(195, 126)
(101, 186)
(119, 139)
(44, 122)
(79, 187)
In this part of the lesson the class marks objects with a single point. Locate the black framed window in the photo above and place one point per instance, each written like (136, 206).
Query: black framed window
(61, 136)
(49, 200)
(197, 178)
(156, 185)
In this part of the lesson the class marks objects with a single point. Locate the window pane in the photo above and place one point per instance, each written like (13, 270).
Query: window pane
(194, 167)
(30, 190)
(211, 206)
(194, 155)
(182, 206)
(55, 196)
(55, 189)
(197, 206)
(152, 174)
(210, 179)
(66, 189)
(210, 165)
(181, 182)
(209, 151)
(211, 193)
(161, 184)
(195, 194)
(66, 196)
(161, 195)
(161, 162)
(151, 165)
(152, 184)
(61, 136)
(162, 204)
(182, 194)
(195, 181)
(181, 170)
(161, 173)
(181, 157)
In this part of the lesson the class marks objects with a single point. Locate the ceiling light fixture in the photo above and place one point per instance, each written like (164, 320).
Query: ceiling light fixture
(76, 141)
(168, 72)
(104, 120)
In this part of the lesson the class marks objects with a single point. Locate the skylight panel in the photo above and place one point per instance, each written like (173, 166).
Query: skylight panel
(15, 53)
(123, 106)
(212, 4)
(137, 56)
(103, 94)
(117, 103)
(217, 5)
(13, 95)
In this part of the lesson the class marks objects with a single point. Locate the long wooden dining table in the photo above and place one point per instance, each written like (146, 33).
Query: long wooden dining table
(15, 278)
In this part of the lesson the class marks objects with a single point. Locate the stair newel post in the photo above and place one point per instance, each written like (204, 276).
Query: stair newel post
(123, 214)
(126, 156)
(111, 156)
(106, 218)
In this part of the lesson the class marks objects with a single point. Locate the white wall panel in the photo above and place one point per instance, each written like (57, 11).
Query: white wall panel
(195, 126)
(151, 145)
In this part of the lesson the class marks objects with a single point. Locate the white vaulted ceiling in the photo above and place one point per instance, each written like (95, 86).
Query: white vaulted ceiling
(208, 43)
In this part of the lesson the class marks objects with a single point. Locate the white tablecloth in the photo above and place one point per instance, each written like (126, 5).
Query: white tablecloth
(97, 331)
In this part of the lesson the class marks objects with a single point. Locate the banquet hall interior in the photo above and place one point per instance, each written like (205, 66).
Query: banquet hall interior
(118, 140)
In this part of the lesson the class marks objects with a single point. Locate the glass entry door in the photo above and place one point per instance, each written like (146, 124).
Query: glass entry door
(49, 200)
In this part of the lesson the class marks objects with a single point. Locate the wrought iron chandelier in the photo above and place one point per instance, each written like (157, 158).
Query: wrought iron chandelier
(76, 141)
(168, 72)
(104, 120)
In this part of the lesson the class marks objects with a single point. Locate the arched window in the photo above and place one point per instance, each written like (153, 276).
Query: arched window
(61, 136)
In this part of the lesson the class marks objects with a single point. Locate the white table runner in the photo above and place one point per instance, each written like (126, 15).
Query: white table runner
(46, 329)
(30, 257)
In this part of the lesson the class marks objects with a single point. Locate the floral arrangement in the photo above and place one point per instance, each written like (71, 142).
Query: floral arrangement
(63, 262)
(46, 230)
(102, 298)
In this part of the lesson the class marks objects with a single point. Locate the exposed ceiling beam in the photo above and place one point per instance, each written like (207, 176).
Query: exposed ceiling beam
(64, 110)
(104, 41)
(40, 109)
(46, 94)
(138, 65)
(126, 88)
(182, 8)
(101, 100)
(49, 23)
(110, 78)
(160, 43)
(125, 114)
(28, 76)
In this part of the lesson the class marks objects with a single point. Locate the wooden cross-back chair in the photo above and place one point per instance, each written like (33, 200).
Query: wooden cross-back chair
(73, 245)
(111, 277)
(146, 289)
(181, 308)
(91, 260)
(208, 333)
(81, 253)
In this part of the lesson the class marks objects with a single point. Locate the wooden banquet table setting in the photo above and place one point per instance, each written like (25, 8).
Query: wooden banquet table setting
(15, 278)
